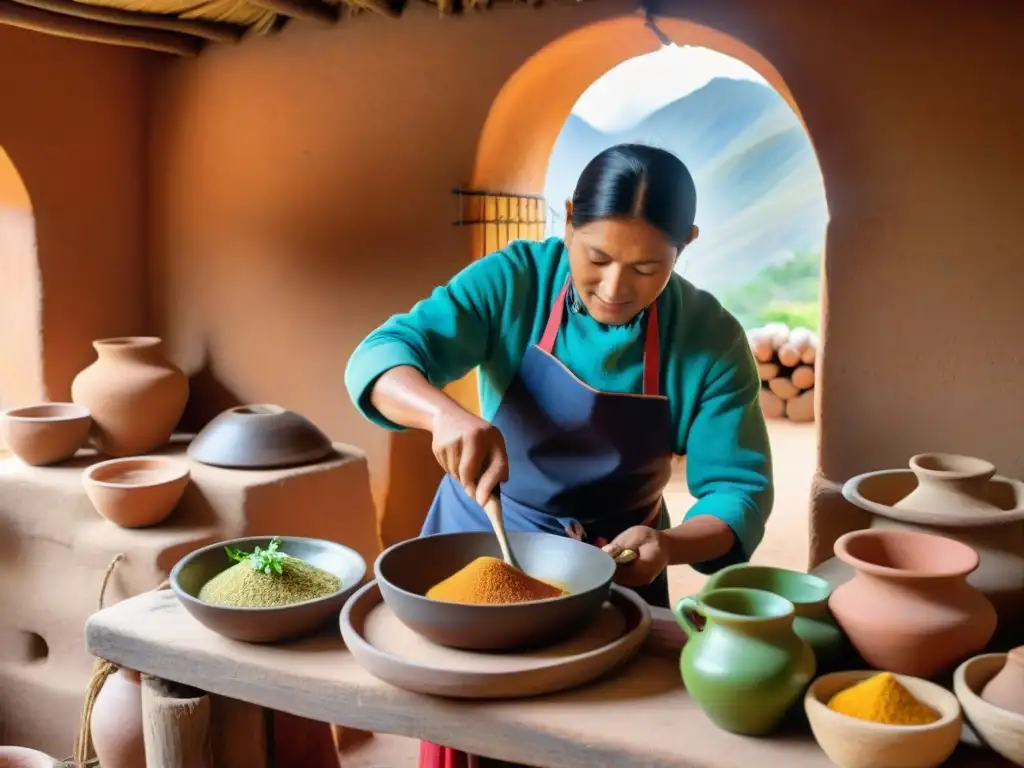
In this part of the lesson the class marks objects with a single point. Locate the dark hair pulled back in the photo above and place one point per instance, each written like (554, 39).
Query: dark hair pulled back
(640, 182)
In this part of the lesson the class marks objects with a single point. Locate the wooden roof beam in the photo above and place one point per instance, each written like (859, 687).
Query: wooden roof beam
(38, 20)
(214, 31)
(310, 10)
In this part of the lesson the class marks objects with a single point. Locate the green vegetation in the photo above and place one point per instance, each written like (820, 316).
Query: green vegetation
(789, 292)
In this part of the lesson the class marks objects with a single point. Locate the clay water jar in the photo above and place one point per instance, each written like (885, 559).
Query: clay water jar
(809, 594)
(116, 726)
(909, 608)
(135, 395)
(46, 433)
(747, 666)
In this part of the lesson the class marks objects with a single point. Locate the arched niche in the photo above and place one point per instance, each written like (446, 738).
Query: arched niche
(21, 365)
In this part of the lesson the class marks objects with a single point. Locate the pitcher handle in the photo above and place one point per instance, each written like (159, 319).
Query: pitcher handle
(682, 610)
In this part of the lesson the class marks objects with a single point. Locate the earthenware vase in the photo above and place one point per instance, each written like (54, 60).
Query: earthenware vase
(746, 667)
(1006, 689)
(809, 594)
(117, 728)
(135, 395)
(908, 608)
(961, 498)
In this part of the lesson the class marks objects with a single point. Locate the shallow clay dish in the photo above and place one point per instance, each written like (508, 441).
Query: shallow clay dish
(138, 491)
(998, 728)
(392, 652)
(853, 743)
(267, 625)
(405, 571)
(45, 434)
(259, 437)
(22, 757)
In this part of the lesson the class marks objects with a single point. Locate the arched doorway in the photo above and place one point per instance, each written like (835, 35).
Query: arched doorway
(513, 154)
(21, 369)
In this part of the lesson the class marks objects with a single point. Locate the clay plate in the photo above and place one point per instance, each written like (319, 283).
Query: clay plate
(259, 437)
(266, 625)
(392, 652)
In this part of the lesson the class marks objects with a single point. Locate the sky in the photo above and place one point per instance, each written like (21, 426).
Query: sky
(628, 93)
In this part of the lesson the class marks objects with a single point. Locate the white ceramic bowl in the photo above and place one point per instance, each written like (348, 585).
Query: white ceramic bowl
(998, 728)
(853, 743)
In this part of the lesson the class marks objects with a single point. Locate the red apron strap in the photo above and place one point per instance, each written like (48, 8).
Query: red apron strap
(652, 342)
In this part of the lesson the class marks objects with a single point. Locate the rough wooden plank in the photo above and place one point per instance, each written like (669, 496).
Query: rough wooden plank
(208, 30)
(637, 716)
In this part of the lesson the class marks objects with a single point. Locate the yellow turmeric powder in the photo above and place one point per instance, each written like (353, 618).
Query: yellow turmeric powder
(490, 581)
(882, 699)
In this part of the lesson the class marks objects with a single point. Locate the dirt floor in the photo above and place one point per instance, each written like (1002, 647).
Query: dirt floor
(794, 450)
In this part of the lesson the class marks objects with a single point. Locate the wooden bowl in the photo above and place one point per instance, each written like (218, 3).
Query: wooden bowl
(405, 571)
(46, 433)
(259, 437)
(853, 743)
(267, 625)
(137, 491)
(998, 728)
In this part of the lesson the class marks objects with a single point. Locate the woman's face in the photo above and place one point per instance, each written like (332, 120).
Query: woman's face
(619, 266)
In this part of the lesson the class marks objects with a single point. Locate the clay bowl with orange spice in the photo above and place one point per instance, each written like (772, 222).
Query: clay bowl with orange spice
(46, 433)
(136, 492)
(853, 743)
(406, 571)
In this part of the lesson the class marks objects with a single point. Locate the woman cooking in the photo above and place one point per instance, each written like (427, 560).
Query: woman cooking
(597, 363)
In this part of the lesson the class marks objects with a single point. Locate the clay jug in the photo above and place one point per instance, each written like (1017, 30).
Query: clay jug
(908, 608)
(22, 757)
(809, 594)
(950, 483)
(116, 726)
(1006, 689)
(746, 667)
(135, 395)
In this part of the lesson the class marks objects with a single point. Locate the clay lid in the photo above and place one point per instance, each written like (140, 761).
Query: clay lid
(260, 437)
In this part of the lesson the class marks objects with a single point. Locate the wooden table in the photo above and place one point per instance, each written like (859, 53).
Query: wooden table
(639, 715)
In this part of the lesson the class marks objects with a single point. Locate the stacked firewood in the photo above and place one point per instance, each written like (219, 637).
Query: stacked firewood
(785, 360)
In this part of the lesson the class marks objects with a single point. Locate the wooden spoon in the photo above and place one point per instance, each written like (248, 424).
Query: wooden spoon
(493, 510)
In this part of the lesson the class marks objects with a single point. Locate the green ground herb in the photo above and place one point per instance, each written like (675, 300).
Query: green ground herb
(267, 578)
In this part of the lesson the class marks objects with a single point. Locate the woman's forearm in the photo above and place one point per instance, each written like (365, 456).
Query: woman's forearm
(404, 396)
(699, 540)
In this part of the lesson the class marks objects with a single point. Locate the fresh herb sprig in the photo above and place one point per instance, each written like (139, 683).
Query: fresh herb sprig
(269, 560)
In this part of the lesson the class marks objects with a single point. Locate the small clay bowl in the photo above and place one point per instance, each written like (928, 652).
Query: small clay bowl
(259, 437)
(405, 571)
(137, 491)
(998, 728)
(267, 625)
(852, 743)
(22, 757)
(46, 433)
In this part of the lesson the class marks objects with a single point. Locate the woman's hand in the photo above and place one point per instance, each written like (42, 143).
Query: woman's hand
(472, 451)
(652, 555)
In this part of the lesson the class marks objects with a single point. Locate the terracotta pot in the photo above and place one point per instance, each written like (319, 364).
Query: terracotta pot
(116, 727)
(908, 608)
(135, 395)
(957, 497)
(1006, 689)
(22, 757)
(950, 482)
(809, 595)
(45, 434)
(136, 492)
(746, 667)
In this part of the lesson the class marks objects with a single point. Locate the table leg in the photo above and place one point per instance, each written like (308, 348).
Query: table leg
(176, 725)
(241, 734)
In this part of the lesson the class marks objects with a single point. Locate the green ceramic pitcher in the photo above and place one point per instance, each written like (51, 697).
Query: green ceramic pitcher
(746, 667)
(809, 595)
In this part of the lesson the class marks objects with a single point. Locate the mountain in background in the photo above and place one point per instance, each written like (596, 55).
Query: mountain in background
(760, 198)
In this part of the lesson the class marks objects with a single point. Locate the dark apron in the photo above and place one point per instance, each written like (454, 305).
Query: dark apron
(582, 463)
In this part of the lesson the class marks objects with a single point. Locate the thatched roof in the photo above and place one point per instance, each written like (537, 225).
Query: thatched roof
(184, 27)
